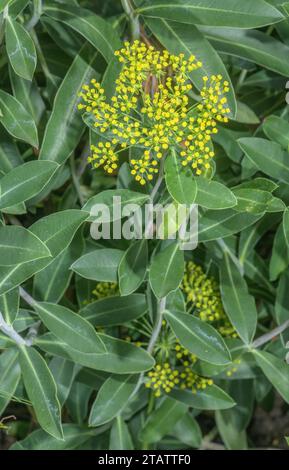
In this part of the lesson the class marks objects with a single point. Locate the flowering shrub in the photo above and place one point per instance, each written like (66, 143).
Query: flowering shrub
(124, 333)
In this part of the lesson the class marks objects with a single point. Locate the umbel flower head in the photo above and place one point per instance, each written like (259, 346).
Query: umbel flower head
(152, 111)
(203, 297)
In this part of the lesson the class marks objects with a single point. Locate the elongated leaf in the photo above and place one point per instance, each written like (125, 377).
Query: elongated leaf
(253, 201)
(167, 270)
(18, 245)
(277, 129)
(96, 30)
(267, 156)
(181, 186)
(10, 375)
(233, 438)
(111, 399)
(187, 39)
(213, 12)
(64, 373)
(216, 224)
(24, 181)
(114, 200)
(132, 267)
(20, 48)
(41, 390)
(199, 337)
(187, 430)
(120, 438)
(115, 310)
(9, 153)
(238, 303)
(214, 195)
(253, 46)
(276, 371)
(161, 421)
(73, 436)
(16, 120)
(211, 398)
(57, 230)
(65, 120)
(70, 328)
(121, 358)
(99, 265)
(9, 305)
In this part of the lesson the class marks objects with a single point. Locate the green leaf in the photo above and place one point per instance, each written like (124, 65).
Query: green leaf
(276, 371)
(64, 373)
(120, 438)
(213, 12)
(121, 358)
(112, 311)
(211, 398)
(233, 438)
(112, 398)
(161, 421)
(20, 49)
(99, 265)
(65, 119)
(70, 328)
(277, 129)
(25, 181)
(57, 230)
(253, 201)
(9, 305)
(10, 375)
(167, 270)
(92, 27)
(188, 431)
(239, 305)
(254, 46)
(18, 245)
(216, 224)
(16, 120)
(3, 4)
(9, 153)
(267, 156)
(279, 260)
(132, 267)
(114, 200)
(199, 337)
(41, 390)
(187, 39)
(214, 195)
(180, 183)
(73, 436)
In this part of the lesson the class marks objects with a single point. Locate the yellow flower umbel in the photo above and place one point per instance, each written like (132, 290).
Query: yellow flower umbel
(152, 111)
(105, 289)
(203, 295)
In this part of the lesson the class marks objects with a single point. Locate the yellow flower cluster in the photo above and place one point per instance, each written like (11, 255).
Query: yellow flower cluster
(105, 289)
(162, 378)
(152, 110)
(203, 294)
(233, 369)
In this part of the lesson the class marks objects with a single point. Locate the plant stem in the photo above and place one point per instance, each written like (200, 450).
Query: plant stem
(27, 297)
(37, 11)
(270, 335)
(9, 331)
(133, 19)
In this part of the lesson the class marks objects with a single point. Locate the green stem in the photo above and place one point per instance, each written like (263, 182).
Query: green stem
(133, 19)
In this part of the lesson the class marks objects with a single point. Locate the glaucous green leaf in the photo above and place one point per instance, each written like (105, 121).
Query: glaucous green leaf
(16, 119)
(267, 156)
(253, 201)
(112, 398)
(239, 305)
(25, 181)
(161, 421)
(65, 120)
(180, 183)
(20, 49)
(10, 375)
(213, 12)
(70, 327)
(41, 390)
(99, 265)
(276, 371)
(116, 310)
(188, 431)
(9, 305)
(210, 398)
(167, 270)
(214, 195)
(132, 267)
(19, 245)
(199, 337)
(277, 129)
(120, 438)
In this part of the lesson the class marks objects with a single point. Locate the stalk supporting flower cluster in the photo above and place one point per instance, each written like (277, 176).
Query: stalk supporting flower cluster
(153, 112)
